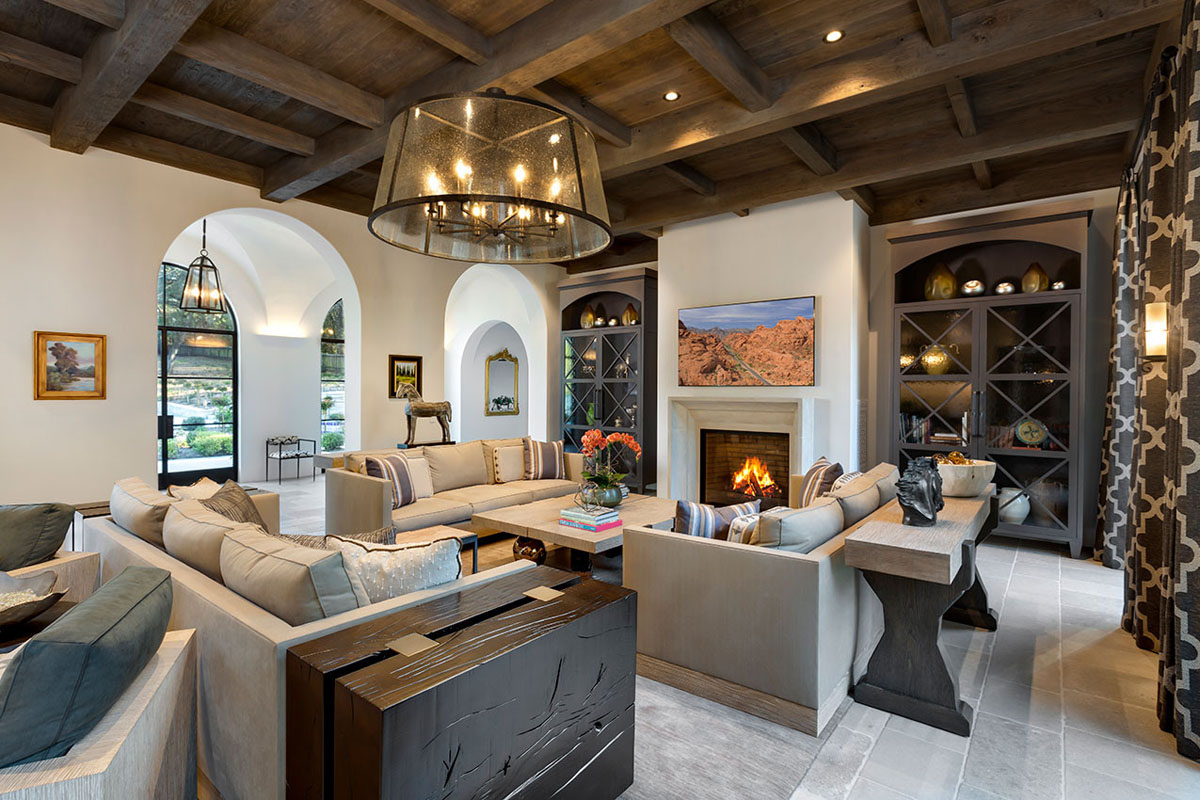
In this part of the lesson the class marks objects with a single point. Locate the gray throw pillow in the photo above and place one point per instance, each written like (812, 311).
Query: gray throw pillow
(66, 678)
(232, 502)
(31, 534)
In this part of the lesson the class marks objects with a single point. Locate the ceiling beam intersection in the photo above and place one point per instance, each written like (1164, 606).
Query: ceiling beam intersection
(439, 25)
(706, 40)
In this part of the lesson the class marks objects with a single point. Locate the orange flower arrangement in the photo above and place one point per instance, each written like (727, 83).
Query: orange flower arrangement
(599, 452)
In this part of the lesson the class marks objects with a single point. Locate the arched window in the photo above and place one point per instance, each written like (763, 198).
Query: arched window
(197, 388)
(333, 379)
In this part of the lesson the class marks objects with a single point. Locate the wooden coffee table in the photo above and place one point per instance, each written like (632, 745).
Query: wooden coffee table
(536, 523)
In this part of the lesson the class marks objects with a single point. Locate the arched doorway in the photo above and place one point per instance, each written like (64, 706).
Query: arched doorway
(197, 388)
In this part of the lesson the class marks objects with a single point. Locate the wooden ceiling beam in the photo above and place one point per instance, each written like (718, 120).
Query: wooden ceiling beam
(39, 58)
(1084, 174)
(116, 63)
(643, 251)
(212, 115)
(108, 13)
(938, 25)
(1107, 112)
(1005, 34)
(690, 178)
(811, 147)
(67, 67)
(250, 61)
(862, 196)
(964, 115)
(340, 199)
(598, 122)
(712, 46)
(535, 49)
(34, 117)
(439, 25)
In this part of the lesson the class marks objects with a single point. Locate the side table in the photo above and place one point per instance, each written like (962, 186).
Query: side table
(520, 686)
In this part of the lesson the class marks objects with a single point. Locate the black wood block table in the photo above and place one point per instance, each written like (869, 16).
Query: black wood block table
(485, 693)
(919, 574)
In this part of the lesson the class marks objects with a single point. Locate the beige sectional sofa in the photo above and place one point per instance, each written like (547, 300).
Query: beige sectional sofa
(777, 633)
(356, 502)
(241, 651)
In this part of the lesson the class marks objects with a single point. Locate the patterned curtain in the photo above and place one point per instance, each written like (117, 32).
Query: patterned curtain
(1152, 435)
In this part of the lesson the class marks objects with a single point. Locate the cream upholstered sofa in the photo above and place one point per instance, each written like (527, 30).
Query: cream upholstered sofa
(465, 484)
(241, 649)
(782, 633)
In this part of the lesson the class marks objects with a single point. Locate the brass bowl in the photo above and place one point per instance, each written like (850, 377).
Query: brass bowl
(40, 584)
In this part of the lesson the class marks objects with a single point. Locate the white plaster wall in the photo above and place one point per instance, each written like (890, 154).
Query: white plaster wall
(488, 340)
(82, 238)
(815, 246)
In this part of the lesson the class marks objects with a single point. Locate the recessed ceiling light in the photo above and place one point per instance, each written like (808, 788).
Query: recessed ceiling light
(834, 36)
(670, 95)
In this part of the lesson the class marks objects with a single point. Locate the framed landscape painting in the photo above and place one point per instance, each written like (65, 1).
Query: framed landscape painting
(68, 366)
(402, 370)
(764, 343)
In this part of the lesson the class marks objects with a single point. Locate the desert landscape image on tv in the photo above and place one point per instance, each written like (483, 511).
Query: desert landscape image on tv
(765, 343)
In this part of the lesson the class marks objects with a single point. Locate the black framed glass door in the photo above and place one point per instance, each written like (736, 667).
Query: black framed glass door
(196, 397)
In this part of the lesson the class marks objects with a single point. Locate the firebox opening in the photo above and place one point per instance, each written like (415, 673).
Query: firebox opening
(736, 466)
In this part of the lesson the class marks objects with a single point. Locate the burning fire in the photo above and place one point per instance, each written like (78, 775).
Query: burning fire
(754, 480)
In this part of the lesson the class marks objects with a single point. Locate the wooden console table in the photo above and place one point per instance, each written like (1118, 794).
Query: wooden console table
(919, 575)
(487, 692)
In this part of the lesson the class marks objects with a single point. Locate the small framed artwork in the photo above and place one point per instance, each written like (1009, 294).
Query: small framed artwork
(403, 371)
(68, 366)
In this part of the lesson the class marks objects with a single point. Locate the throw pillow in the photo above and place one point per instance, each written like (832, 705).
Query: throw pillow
(799, 530)
(66, 678)
(321, 541)
(489, 455)
(139, 509)
(394, 470)
(742, 528)
(298, 584)
(200, 490)
(422, 478)
(543, 460)
(388, 571)
(454, 466)
(193, 534)
(710, 522)
(31, 534)
(508, 463)
(818, 481)
(232, 502)
(845, 478)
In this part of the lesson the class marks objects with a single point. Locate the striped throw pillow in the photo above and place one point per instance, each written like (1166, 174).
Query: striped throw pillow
(844, 479)
(232, 502)
(710, 522)
(742, 528)
(818, 480)
(544, 460)
(393, 469)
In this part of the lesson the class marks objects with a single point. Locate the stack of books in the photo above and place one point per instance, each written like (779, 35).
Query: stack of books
(594, 521)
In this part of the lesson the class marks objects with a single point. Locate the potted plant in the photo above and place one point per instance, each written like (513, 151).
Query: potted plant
(602, 461)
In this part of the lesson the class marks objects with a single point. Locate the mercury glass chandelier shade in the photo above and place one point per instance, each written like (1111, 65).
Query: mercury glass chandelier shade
(491, 178)
(202, 286)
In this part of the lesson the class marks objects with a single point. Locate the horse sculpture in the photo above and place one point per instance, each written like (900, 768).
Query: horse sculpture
(418, 407)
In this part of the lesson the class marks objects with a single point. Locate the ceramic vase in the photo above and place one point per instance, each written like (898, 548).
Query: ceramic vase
(1014, 505)
(940, 284)
(1035, 279)
(609, 498)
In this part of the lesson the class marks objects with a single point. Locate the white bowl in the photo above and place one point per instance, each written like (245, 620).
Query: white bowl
(966, 480)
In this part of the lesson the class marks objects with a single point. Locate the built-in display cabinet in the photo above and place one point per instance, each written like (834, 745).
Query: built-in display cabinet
(608, 370)
(1016, 378)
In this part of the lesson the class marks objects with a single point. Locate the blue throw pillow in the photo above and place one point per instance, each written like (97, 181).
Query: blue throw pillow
(31, 534)
(710, 522)
(66, 678)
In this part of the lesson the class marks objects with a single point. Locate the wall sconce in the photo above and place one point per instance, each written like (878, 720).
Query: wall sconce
(1156, 331)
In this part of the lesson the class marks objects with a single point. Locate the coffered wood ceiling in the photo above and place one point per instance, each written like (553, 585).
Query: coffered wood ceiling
(923, 107)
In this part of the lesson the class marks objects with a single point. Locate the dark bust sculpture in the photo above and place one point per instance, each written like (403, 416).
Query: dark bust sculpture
(919, 492)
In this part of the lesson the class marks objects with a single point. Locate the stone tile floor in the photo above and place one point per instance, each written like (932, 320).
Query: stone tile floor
(1064, 701)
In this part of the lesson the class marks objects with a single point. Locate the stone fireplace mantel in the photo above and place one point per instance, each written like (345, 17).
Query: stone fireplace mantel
(686, 416)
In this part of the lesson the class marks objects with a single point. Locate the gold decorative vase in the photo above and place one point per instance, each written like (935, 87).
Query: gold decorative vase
(588, 317)
(1035, 279)
(630, 317)
(940, 284)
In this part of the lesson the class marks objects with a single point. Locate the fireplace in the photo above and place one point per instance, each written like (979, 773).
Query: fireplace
(736, 466)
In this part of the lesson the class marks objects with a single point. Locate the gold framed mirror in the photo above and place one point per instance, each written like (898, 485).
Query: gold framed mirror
(501, 382)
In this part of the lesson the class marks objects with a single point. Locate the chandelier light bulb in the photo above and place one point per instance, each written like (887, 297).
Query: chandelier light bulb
(462, 169)
(519, 173)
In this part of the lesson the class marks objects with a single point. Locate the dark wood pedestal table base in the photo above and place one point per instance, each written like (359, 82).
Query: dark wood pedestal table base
(919, 574)
(519, 687)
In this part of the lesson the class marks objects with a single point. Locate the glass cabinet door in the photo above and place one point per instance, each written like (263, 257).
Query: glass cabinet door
(1028, 404)
(936, 393)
